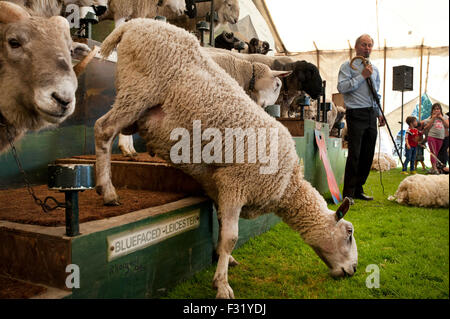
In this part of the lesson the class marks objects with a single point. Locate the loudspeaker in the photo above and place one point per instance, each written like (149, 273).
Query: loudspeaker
(403, 78)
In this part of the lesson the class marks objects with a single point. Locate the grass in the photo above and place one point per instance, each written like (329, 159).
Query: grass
(410, 246)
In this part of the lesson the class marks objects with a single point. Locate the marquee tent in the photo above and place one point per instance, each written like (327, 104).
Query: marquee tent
(323, 32)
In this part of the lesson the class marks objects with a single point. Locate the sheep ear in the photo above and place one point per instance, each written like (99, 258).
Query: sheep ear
(10, 12)
(343, 209)
(281, 74)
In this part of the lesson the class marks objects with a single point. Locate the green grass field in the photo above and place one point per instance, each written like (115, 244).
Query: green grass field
(409, 245)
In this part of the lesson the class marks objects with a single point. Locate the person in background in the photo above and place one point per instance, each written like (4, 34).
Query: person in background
(411, 141)
(443, 153)
(362, 113)
(436, 126)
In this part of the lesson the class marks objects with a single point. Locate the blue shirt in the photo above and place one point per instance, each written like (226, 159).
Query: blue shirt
(354, 87)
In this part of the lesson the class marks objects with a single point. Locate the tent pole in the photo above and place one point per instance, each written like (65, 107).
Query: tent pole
(428, 69)
(350, 50)
(420, 83)
(384, 76)
(318, 57)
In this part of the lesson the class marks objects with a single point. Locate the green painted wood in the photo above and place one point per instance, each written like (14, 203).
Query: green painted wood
(146, 273)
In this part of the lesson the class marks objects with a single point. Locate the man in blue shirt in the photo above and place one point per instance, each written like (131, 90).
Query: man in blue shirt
(361, 114)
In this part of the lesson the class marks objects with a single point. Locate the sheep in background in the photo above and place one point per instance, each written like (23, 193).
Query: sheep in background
(36, 76)
(123, 10)
(383, 162)
(255, 46)
(260, 82)
(176, 84)
(423, 191)
(50, 8)
(227, 12)
(305, 76)
(227, 41)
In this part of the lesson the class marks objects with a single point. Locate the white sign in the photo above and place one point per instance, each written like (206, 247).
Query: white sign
(130, 241)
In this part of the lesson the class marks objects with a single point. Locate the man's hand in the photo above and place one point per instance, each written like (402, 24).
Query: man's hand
(367, 72)
(381, 121)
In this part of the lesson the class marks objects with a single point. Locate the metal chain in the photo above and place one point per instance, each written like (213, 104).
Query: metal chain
(43, 204)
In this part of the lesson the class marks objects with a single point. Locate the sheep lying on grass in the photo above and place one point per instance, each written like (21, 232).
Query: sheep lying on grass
(383, 162)
(423, 191)
(175, 89)
(37, 81)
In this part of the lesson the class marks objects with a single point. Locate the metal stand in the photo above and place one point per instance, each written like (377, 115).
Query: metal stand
(72, 220)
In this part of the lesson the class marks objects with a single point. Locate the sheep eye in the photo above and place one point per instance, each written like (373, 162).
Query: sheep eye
(14, 44)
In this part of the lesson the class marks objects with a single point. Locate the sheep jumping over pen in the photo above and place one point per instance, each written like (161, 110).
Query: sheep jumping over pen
(175, 90)
(37, 81)
(423, 191)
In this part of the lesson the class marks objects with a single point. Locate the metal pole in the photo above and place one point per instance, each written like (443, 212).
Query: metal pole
(72, 220)
(211, 28)
(401, 130)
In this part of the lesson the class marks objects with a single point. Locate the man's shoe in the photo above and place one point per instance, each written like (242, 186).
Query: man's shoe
(413, 172)
(405, 173)
(363, 196)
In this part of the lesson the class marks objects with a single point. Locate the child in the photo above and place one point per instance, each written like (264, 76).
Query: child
(420, 158)
(412, 138)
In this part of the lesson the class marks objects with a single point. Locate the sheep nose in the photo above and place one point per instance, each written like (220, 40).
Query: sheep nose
(99, 10)
(354, 268)
(63, 102)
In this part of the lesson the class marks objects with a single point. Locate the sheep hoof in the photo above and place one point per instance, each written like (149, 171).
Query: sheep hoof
(99, 190)
(114, 202)
(224, 291)
(232, 262)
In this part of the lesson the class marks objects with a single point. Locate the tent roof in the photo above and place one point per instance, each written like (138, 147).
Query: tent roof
(302, 26)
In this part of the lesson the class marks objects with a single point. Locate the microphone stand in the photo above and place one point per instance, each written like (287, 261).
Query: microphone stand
(377, 100)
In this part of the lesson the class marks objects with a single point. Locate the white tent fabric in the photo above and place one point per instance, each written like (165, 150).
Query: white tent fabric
(332, 24)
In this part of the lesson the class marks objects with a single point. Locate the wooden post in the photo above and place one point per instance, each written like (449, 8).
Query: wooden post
(420, 83)
(318, 55)
(350, 50)
(428, 69)
(384, 76)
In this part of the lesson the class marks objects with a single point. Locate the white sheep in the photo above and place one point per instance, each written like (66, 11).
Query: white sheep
(36, 76)
(257, 79)
(383, 162)
(423, 191)
(227, 12)
(174, 90)
(123, 10)
(50, 8)
(305, 76)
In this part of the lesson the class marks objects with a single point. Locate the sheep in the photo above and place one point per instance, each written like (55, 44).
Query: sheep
(262, 84)
(175, 89)
(227, 40)
(123, 10)
(257, 46)
(37, 80)
(49, 8)
(227, 12)
(423, 191)
(305, 76)
(383, 162)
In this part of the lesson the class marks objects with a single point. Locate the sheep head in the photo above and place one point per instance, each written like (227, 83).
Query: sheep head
(308, 78)
(176, 6)
(335, 243)
(228, 11)
(35, 67)
(268, 85)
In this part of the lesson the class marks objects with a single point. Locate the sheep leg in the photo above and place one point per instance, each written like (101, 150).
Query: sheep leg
(228, 236)
(126, 145)
(106, 129)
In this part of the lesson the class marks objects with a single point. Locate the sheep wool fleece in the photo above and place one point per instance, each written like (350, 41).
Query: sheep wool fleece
(161, 66)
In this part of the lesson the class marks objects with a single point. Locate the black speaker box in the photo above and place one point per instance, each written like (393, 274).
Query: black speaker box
(403, 78)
